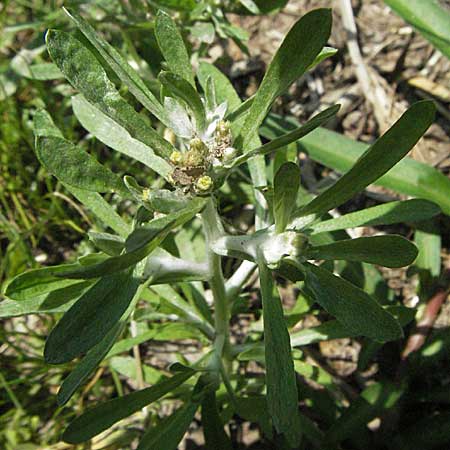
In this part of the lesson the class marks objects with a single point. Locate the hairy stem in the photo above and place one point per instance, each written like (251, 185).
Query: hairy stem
(213, 228)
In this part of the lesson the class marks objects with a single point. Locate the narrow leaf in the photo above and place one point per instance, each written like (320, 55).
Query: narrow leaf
(169, 433)
(117, 137)
(280, 142)
(85, 73)
(339, 152)
(172, 47)
(387, 251)
(72, 165)
(101, 208)
(215, 436)
(372, 402)
(103, 416)
(225, 91)
(59, 299)
(377, 160)
(120, 66)
(88, 321)
(282, 396)
(181, 89)
(36, 282)
(286, 185)
(298, 51)
(87, 365)
(356, 310)
(108, 243)
(413, 210)
(139, 244)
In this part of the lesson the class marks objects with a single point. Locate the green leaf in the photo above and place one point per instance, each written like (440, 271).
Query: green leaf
(120, 66)
(356, 310)
(431, 18)
(59, 299)
(181, 89)
(172, 47)
(373, 401)
(429, 240)
(413, 210)
(428, 263)
(36, 282)
(88, 364)
(39, 71)
(387, 251)
(107, 243)
(215, 436)
(101, 208)
(72, 165)
(43, 125)
(88, 321)
(286, 184)
(103, 416)
(140, 243)
(298, 51)
(85, 73)
(250, 5)
(117, 137)
(282, 396)
(335, 330)
(340, 153)
(168, 434)
(288, 138)
(225, 91)
(388, 150)
(325, 53)
(254, 409)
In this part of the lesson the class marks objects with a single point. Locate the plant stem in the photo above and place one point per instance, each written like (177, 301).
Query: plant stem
(213, 229)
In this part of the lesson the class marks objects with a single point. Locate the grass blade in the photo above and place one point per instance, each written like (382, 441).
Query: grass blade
(431, 18)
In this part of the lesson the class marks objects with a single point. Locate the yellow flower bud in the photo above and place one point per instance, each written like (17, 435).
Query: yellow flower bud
(204, 183)
(176, 157)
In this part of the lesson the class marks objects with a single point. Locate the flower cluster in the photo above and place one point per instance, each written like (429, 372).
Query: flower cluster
(201, 152)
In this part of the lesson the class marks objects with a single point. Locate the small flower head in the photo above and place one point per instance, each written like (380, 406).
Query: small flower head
(197, 153)
(176, 157)
(204, 183)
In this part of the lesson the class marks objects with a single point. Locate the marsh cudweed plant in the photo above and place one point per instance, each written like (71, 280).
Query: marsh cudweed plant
(207, 140)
